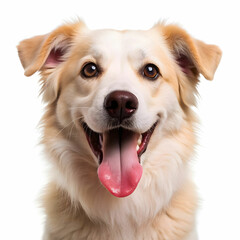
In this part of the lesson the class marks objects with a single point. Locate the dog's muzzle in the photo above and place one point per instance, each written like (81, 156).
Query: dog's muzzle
(119, 148)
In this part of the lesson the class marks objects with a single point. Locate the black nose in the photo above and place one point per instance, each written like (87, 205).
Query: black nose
(121, 104)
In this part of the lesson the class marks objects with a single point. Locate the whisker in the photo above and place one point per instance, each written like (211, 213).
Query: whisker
(78, 107)
(72, 122)
(70, 132)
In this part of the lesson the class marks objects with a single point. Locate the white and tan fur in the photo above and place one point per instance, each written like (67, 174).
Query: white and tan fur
(164, 204)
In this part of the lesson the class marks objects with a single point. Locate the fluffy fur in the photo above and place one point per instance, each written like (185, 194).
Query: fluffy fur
(164, 204)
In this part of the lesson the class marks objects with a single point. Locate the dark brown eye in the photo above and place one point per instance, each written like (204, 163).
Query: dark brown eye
(90, 70)
(151, 71)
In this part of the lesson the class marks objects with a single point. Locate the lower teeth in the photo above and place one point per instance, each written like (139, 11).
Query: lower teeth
(140, 140)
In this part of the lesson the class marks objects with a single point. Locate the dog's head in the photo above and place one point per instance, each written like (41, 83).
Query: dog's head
(122, 90)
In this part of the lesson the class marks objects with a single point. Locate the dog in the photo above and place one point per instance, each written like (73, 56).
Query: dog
(119, 129)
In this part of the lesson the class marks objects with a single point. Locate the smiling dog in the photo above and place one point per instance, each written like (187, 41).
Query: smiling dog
(119, 130)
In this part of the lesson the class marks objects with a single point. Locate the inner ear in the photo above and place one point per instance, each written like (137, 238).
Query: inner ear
(58, 49)
(54, 58)
(186, 64)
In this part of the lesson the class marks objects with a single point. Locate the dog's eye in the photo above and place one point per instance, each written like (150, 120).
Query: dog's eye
(151, 71)
(90, 70)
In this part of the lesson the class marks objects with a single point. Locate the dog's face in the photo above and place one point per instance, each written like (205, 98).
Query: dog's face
(121, 91)
(118, 95)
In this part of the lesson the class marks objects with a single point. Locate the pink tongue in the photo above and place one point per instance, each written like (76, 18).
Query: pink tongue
(120, 170)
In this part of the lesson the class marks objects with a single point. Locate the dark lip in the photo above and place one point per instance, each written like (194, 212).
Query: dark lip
(95, 140)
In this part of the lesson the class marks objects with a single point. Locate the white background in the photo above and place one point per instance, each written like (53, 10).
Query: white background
(217, 164)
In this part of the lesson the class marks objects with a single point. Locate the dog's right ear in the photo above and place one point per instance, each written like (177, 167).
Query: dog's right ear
(46, 51)
(28, 51)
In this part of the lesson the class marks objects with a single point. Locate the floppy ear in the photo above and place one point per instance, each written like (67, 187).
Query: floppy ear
(194, 57)
(47, 52)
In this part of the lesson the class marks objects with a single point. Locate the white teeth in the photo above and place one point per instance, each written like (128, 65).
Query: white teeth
(139, 140)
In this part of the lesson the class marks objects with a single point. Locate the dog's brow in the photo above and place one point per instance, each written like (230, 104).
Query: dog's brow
(137, 54)
(96, 54)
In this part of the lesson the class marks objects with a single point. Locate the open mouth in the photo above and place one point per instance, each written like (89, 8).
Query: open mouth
(118, 152)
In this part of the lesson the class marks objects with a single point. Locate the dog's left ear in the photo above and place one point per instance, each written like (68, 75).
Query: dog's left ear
(192, 55)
